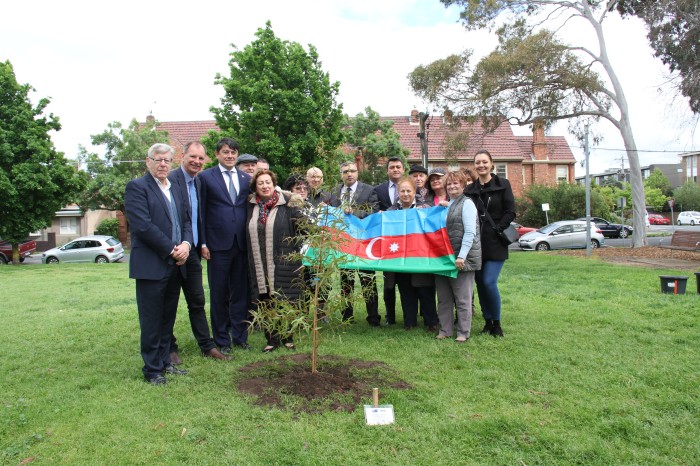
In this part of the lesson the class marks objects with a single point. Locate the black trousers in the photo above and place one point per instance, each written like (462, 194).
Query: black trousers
(193, 290)
(157, 306)
(227, 272)
(369, 293)
(390, 302)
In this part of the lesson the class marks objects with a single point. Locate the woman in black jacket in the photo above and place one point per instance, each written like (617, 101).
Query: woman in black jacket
(494, 195)
(273, 218)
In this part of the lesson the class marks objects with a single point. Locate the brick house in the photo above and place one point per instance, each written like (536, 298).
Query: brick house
(524, 160)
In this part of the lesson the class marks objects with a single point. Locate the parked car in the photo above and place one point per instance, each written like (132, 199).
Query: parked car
(567, 234)
(689, 217)
(97, 248)
(521, 229)
(656, 219)
(610, 230)
(26, 247)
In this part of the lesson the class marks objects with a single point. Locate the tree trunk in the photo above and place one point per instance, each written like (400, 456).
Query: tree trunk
(639, 235)
(15, 254)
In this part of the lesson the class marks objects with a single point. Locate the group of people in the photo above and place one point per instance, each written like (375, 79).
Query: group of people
(236, 216)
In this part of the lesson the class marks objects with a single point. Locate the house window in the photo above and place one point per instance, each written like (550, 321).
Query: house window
(69, 225)
(453, 167)
(562, 173)
(501, 170)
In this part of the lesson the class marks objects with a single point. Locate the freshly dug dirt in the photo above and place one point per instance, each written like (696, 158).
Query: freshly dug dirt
(649, 256)
(338, 385)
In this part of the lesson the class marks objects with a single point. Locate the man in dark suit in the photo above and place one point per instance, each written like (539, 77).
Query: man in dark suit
(387, 193)
(161, 239)
(223, 238)
(184, 180)
(359, 199)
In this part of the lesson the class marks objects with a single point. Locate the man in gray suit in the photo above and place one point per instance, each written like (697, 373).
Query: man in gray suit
(359, 199)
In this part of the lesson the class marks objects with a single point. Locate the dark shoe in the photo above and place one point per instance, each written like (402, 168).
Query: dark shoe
(243, 345)
(175, 371)
(409, 327)
(269, 348)
(216, 354)
(389, 323)
(488, 327)
(156, 380)
(496, 330)
(175, 358)
(225, 350)
(373, 324)
(431, 328)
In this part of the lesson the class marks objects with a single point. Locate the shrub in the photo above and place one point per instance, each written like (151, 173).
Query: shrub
(109, 227)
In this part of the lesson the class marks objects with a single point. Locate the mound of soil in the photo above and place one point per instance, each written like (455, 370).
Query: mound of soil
(339, 384)
(649, 256)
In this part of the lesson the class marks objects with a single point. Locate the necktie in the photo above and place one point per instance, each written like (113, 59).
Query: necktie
(392, 188)
(176, 233)
(231, 188)
(346, 196)
(195, 209)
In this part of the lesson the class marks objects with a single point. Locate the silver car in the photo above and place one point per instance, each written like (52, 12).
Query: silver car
(567, 234)
(97, 248)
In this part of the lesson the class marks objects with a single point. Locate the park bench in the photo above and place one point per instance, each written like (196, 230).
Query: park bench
(684, 240)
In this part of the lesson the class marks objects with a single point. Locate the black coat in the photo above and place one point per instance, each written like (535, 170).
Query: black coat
(283, 239)
(497, 198)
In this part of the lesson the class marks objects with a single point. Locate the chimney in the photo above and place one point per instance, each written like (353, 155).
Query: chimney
(150, 119)
(414, 116)
(447, 117)
(539, 146)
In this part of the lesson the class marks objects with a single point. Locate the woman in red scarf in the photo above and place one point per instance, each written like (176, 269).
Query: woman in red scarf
(272, 236)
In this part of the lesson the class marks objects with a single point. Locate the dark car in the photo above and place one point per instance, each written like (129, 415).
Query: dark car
(610, 230)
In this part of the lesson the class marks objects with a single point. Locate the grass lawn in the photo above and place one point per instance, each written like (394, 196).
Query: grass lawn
(597, 367)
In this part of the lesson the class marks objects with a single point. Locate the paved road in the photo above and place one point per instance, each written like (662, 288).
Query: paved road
(609, 242)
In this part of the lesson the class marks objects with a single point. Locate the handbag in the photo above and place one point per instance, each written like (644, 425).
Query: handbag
(508, 235)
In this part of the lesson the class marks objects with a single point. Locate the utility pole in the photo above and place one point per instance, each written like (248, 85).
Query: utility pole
(587, 153)
(422, 116)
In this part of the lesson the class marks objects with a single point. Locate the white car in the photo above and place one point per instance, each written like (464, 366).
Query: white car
(567, 234)
(96, 248)
(689, 217)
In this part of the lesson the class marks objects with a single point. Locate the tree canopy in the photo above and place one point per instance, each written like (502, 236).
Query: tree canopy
(375, 140)
(123, 160)
(35, 179)
(674, 34)
(279, 103)
(534, 77)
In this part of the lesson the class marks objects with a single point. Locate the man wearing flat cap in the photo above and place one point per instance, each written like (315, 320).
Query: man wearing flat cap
(247, 163)
(420, 175)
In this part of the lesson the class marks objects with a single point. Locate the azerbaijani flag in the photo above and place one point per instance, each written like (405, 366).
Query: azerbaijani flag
(409, 240)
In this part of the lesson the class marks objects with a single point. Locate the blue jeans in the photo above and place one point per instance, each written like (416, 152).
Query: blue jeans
(487, 287)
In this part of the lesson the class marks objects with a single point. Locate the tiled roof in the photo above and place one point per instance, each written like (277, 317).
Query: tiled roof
(182, 132)
(501, 143)
(557, 147)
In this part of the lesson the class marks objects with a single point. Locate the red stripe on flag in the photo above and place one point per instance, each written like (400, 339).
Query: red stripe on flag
(435, 244)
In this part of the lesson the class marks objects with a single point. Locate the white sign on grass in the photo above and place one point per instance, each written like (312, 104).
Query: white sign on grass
(380, 415)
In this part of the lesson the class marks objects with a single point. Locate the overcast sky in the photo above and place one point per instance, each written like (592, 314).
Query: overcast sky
(100, 62)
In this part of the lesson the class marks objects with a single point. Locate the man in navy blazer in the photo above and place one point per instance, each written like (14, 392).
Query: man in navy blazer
(223, 192)
(161, 239)
(359, 199)
(387, 193)
(184, 179)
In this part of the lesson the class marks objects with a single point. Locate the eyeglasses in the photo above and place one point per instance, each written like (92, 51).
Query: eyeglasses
(345, 172)
(228, 152)
(159, 161)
